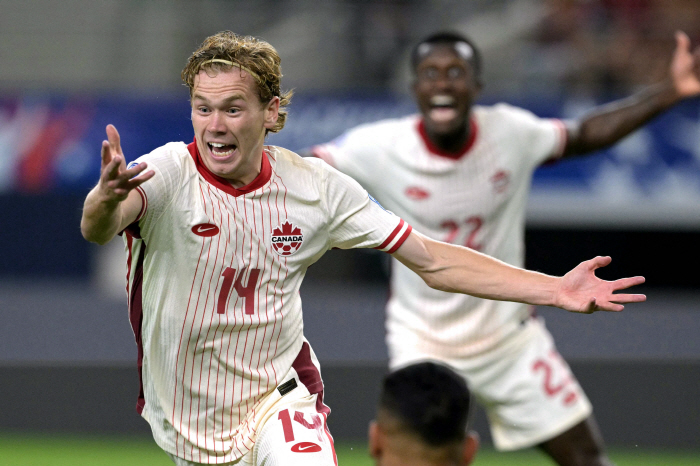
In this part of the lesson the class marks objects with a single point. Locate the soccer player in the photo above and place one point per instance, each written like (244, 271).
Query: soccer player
(460, 173)
(422, 419)
(219, 234)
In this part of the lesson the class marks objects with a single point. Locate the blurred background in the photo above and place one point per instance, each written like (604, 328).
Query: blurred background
(67, 355)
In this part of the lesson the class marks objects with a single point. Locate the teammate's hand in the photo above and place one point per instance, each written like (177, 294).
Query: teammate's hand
(685, 67)
(581, 291)
(116, 182)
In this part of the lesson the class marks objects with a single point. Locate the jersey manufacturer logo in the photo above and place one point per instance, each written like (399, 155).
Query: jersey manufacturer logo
(306, 447)
(205, 229)
(287, 239)
(416, 193)
(500, 181)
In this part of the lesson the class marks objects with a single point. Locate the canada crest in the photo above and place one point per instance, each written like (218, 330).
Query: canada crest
(287, 239)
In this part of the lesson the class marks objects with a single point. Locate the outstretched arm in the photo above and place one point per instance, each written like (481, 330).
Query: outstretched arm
(113, 204)
(458, 269)
(609, 123)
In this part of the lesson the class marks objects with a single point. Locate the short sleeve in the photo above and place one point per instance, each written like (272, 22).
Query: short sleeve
(357, 153)
(159, 191)
(540, 139)
(357, 220)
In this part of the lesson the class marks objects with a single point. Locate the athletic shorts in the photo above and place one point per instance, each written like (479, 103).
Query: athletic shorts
(293, 432)
(527, 389)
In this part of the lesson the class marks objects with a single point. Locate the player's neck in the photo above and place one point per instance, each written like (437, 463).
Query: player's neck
(452, 142)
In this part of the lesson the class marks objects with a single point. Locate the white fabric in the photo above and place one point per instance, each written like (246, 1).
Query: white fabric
(477, 200)
(527, 389)
(221, 319)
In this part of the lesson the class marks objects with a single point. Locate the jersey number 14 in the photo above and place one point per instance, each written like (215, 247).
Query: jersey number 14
(245, 292)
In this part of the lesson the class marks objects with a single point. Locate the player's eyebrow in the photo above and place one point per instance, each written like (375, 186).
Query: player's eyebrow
(224, 101)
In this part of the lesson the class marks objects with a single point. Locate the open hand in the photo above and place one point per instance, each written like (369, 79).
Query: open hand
(685, 67)
(116, 181)
(581, 291)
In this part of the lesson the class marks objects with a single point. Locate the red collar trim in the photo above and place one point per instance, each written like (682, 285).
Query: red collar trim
(473, 130)
(222, 183)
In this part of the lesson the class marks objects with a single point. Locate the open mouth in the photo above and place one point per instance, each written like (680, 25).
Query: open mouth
(221, 150)
(442, 108)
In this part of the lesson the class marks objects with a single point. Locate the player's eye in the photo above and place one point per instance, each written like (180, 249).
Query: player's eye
(232, 111)
(203, 110)
(455, 72)
(429, 73)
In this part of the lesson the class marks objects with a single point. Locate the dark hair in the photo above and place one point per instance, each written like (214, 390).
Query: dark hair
(430, 400)
(447, 38)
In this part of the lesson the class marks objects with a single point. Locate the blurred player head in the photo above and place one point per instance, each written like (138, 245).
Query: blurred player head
(225, 50)
(422, 419)
(447, 69)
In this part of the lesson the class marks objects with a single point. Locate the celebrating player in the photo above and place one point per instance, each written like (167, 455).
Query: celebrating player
(460, 173)
(422, 419)
(219, 234)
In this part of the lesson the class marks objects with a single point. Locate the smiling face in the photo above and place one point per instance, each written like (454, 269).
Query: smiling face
(229, 123)
(445, 88)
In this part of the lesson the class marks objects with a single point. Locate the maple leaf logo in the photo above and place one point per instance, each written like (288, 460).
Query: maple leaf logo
(287, 239)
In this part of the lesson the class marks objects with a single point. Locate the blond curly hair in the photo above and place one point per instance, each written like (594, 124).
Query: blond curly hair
(256, 56)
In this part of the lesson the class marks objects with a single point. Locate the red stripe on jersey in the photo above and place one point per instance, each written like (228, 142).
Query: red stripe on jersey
(222, 183)
(473, 131)
(310, 377)
(144, 203)
(401, 240)
(136, 317)
(391, 236)
(177, 359)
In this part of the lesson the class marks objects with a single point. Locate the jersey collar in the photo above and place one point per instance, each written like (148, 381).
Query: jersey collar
(222, 183)
(473, 130)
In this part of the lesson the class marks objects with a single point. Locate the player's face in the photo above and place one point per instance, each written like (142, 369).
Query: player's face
(445, 89)
(229, 123)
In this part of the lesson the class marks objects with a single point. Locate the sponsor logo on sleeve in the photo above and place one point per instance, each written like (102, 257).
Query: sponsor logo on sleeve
(306, 447)
(205, 229)
(377, 202)
(132, 164)
(500, 181)
(286, 239)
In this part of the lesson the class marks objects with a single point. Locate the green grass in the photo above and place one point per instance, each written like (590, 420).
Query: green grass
(94, 450)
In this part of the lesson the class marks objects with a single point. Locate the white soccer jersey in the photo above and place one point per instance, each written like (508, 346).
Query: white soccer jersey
(213, 282)
(475, 199)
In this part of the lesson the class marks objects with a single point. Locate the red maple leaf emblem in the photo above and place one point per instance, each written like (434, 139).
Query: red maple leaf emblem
(287, 239)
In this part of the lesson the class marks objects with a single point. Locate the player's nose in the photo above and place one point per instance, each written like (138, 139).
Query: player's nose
(216, 123)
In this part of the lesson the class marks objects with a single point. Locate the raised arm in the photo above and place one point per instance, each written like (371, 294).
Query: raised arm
(607, 124)
(458, 269)
(113, 204)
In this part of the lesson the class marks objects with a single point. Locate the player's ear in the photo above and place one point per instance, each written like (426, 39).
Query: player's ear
(471, 445)
(375, 440)
(271, 112)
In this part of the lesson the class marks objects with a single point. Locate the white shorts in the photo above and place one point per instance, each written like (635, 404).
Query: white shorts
(527, 389)
(293, 431)
(296, 435)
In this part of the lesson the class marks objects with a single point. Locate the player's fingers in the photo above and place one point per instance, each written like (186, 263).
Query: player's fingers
(598, 261)
(111, 169)
(623, 283)
(139, 180)
(682, 41)
(609, 306)
(135, 170)
(113, 137)
(628, 298)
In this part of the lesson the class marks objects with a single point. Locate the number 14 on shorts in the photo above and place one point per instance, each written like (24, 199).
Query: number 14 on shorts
(288, 429)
